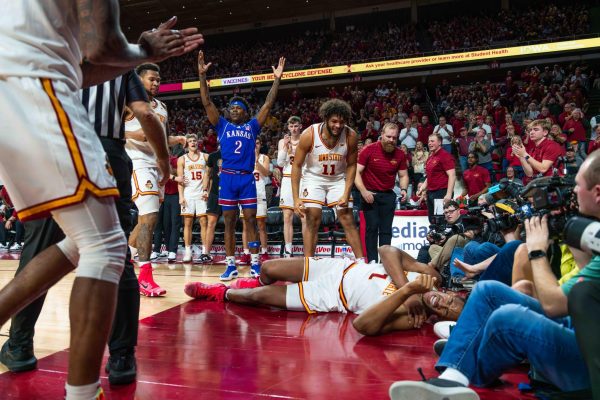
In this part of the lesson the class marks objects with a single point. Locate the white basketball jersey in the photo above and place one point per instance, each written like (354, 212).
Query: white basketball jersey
(193, 172)
(141, 153)
(324, 164)
(287, 168)
(260, 180)
(364, 285)
(39, 38)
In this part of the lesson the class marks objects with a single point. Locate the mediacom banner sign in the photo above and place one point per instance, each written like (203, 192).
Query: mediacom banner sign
(469, 56)
(410, 233)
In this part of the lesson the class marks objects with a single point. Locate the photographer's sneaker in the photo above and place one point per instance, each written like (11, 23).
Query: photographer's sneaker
(3, 246)
(121, 368)
(153, 256)
(230, 273)
(439, 345)
(432, 389)
(171, 257)
(443, 329)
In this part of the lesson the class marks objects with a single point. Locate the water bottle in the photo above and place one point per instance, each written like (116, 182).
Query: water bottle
(398, 203)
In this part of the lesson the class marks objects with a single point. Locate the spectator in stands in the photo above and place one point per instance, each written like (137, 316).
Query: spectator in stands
(418, 160)
(576, 129)
(378, 166)
(483, 148)
(209, 143)
(476, 178)
(425, 129)
(544, 155)
(447, 134)
(595, 143)
(500, 327)
(463, 143)
(369, 133)
(409, 135)
(441, 175)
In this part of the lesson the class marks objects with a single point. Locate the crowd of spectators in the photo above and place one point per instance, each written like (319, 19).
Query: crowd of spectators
(352, 40)
(514, 25)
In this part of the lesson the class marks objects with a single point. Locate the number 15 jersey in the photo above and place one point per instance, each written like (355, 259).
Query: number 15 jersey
(238, 143)
(325, 164)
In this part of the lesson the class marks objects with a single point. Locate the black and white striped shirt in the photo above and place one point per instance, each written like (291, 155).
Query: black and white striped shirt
(105, 103)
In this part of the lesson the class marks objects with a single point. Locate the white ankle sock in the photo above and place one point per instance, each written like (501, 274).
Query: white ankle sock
(83, 392)
(455, 375)
(246, 251)
(230, 260)
(188, 248)
(263, 250)
(203, 249)
(288, 247)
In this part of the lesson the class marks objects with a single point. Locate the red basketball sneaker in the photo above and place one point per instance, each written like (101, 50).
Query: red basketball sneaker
(204, 291)
(148, 287)
(245, 259)
(245, 283)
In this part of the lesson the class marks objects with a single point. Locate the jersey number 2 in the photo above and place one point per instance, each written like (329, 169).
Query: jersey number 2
(327, 170)
(238, 144)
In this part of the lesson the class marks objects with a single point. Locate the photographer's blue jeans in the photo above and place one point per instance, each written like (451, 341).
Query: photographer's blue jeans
(500, 269)
(500, 327)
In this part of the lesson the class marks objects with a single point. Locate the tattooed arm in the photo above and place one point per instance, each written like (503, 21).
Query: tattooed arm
(103, 43)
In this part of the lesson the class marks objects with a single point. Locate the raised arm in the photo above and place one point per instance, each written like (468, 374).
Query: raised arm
(211, 110)
(270, 100)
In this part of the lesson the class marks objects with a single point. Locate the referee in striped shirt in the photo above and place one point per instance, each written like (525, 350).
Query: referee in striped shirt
(105, 104)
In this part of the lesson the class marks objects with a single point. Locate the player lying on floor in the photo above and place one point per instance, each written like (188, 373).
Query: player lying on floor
(338, 285)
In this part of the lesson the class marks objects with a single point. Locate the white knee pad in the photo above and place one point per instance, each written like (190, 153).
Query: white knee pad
(94, 239)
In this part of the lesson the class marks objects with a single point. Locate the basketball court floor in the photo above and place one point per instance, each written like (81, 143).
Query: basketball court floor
(189, 349)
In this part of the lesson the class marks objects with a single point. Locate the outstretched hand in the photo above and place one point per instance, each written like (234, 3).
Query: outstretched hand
(164, 42)
(202, 66)
(279, 70)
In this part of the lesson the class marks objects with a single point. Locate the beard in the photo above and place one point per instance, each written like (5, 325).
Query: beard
(388, 147)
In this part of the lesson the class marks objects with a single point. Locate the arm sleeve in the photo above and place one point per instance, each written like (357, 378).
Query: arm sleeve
(135, 88)
(282, 157)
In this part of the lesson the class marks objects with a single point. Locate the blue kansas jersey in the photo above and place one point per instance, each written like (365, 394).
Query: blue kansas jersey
(237, 144)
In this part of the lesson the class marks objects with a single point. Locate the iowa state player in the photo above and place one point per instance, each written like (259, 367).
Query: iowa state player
(147, 186)
(327, 154)
(191, 167)
(237, 138)
(285, 159)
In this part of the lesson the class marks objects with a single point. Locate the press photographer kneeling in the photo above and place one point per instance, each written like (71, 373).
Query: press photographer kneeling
(501, 327)
(447, 233)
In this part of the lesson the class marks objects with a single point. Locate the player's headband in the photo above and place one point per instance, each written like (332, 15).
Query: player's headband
(239, 104)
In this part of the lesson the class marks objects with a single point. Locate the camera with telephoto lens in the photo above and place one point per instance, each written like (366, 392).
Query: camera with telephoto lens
(553, 196)
(583, 234)
(506, 189)
(440, 229)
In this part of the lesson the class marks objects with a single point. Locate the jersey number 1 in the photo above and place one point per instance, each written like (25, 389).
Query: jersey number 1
(327, 170)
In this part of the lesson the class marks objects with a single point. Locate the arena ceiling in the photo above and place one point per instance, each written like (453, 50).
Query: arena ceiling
(212, 16)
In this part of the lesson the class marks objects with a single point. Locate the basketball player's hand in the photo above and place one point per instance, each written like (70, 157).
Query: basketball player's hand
(164, 169)
(416, 311)
(279, 70)
(447, 198)
(343, 202)
(202, 66)
(182, 203)
(287, 139)
(164, 42)
(299, 208)
(423, 283)
(204, 195)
